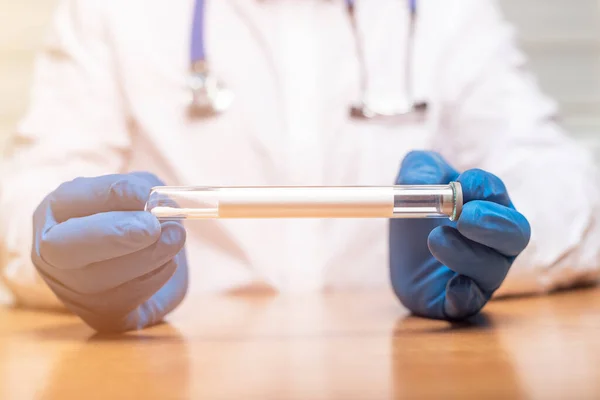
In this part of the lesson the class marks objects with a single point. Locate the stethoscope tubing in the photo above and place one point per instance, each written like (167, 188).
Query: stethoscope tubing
(201, 71)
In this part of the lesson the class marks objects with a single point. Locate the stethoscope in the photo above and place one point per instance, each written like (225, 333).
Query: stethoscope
(210, 97)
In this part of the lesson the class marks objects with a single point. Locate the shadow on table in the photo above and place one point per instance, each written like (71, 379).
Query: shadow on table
(416, 325)
(79, 332)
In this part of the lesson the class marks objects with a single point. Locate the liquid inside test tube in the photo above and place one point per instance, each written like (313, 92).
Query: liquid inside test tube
(400, 201)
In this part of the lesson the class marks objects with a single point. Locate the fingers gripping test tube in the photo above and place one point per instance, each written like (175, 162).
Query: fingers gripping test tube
(401, 201)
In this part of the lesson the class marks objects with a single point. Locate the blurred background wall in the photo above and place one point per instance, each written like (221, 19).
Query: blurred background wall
(562, 40)
(561, 37)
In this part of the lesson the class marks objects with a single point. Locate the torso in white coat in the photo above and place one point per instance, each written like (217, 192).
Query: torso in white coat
(110, 95)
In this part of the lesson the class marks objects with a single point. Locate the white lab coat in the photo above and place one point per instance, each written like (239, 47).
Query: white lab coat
(110, 96)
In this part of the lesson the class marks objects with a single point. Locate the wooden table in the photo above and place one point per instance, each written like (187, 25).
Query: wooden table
(343, 346)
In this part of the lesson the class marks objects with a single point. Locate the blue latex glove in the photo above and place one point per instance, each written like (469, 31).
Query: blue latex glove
(109, 261)
(449, 270)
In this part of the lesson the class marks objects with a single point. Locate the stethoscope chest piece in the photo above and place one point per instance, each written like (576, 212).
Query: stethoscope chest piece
(209, 97)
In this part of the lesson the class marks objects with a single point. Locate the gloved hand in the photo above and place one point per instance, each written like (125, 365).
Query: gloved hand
(449, 270)
(109, 261)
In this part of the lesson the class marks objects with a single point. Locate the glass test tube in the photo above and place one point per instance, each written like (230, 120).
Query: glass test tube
(400, 201)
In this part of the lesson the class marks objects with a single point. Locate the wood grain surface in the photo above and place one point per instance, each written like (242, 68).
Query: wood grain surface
(346, 346)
